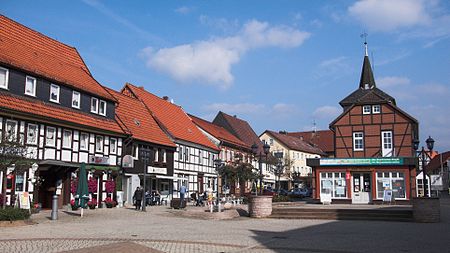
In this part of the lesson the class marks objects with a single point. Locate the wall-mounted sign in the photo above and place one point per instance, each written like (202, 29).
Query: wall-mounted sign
(98, 160)
(156, 170)
(128, 161)
(361, 161)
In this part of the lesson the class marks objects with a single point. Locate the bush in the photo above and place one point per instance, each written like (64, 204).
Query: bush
(1, 199)
(280, 198)
(12, 214)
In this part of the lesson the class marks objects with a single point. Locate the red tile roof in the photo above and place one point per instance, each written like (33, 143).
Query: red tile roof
(435, 163)
(219, 132)
(42, 110)
(26, 49)
(239, 128)
(171, 116)
(295, 143)
(323, 139)
(136, 118)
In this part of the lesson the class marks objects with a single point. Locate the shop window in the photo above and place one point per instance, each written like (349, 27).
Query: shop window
(4, 73)
(30, 86)
(67, 139)
(394, 181)
(84, 141)
(32, 131)
(54, 93)
(50, 137)
(334, 183)
(19, 183)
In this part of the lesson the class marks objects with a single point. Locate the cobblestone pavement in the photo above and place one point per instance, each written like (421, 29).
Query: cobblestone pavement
(164, 230)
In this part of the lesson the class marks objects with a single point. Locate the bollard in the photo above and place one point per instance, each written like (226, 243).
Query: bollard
(54, 207)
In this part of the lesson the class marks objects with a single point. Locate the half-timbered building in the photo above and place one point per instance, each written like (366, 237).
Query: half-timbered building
(51, 104)
(373, 141)
(193, 161)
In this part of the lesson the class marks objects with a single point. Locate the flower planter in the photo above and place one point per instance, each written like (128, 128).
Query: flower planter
(260, 206)
(426, 210)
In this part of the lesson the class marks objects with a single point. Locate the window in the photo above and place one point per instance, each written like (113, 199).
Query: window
(366, 109)
(271, 142)
(76, 99)
(94, 105)
(32, 134)
(358, 141)
(155, 151)
(376, 109)
(200, 157)
(135, 151)
(112, 145)
(387, 140)
(187, 156)
(163, 154)
(30, 86)
(11, 130)
(4, 73)
(394, 181)
(19, 183)
(84, 141)
(99, 143)
(50, 137)
(333, 183)
(67, 139)
(54, 93)
(102, 108)
(180, 153)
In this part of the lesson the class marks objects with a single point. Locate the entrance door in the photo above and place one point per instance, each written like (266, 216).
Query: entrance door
(200, 183)
(361, 188)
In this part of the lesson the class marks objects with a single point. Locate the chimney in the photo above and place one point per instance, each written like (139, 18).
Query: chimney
(166, 98)
(235, 116)
(282, 132)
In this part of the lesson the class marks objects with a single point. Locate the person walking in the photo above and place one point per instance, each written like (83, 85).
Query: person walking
(183, 191)
(138, 194)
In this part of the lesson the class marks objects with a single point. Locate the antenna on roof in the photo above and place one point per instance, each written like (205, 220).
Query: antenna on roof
(364, 35)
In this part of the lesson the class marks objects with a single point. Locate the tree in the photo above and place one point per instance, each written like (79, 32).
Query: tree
(13, 153)
(238, 172)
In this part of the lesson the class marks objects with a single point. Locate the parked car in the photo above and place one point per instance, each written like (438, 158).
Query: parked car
(283, 192)
(269, 192)
(299, 192)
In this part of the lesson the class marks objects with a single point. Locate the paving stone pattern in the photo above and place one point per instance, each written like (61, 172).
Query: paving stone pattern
(193, 230)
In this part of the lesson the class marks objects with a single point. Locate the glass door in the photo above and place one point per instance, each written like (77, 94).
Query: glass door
(361, 188)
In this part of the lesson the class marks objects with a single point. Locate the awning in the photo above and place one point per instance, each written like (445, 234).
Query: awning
(47, 164)
(102, 167)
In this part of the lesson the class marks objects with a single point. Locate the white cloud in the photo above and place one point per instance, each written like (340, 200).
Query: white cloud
(241, 108)
(388, 15)
(211, 60)
(333, 69)
(392, 81)
(327, 112)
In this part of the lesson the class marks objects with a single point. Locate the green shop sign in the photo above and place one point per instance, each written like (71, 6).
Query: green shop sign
(361, 161)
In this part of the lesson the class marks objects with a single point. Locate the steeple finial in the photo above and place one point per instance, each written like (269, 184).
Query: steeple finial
(365, 43)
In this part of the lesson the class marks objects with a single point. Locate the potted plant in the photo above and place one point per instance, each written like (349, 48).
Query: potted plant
(110, 203)
(92, 203)
(73, 205)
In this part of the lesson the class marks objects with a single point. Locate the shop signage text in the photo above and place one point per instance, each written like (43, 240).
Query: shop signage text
(156, 170)
(360, 161)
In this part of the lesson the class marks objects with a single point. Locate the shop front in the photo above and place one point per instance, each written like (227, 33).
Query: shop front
(363, 180)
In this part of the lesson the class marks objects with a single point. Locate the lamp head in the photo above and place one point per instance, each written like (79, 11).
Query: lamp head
(416, 144)
(430, 143)
(266, 148)
(254, 148)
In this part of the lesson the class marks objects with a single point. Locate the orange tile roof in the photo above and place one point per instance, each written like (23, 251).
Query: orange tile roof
(324, 139)
(26, 49)
(43, 110)
(138, 120)
(294, 143)
(219, 132)
(171, 116)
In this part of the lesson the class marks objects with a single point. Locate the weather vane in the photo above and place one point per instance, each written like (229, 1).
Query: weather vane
(364, 34)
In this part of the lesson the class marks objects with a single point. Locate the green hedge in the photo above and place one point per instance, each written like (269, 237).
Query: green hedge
(12, 214)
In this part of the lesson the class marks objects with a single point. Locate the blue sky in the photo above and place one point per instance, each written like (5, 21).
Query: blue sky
(281, 65)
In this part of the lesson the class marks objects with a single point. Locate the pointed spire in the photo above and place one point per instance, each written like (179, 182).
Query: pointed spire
(367, 81)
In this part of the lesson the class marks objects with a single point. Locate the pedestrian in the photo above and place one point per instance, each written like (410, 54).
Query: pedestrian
(183, 191)
(138, 194)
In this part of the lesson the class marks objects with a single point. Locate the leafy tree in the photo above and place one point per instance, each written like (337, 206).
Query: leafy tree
(238, 172)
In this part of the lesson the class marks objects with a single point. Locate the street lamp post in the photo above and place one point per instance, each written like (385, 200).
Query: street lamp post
(266, 149)
(218, 163)
(423, 154)
(279, 168)
(145, 158)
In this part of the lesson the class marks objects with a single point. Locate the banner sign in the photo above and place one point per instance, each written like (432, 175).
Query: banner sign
(360, 161)
(156, 170)
(98, 160)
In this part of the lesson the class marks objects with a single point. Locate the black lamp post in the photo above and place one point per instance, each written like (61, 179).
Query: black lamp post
(279, 169)
(266, 149)
(218, 163)
(145, 155)
(423, 154)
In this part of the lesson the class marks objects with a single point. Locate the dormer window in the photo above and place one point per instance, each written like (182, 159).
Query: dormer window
(366, 109)
(30, 86)
(4, 73)
(102, 108)
(366, 86)
(54, 93)
(76, 99)
(94, 105)
(376, 109)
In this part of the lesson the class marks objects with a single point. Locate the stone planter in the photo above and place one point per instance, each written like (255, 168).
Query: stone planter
(260, 206)
(426, 210)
